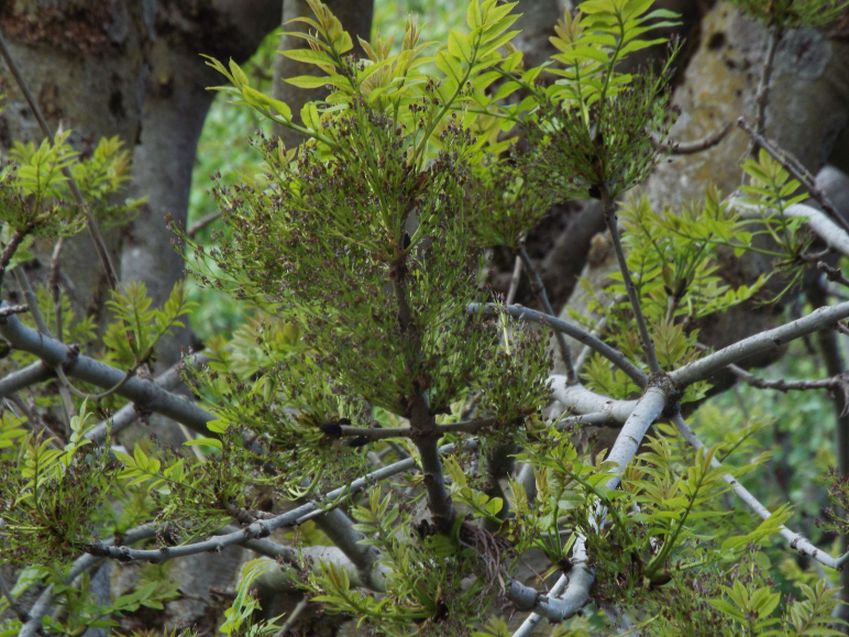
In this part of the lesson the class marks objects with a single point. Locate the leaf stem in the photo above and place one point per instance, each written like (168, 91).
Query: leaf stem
(10, 249)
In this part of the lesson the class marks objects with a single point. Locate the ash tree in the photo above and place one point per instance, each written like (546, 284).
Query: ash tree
(385, 432)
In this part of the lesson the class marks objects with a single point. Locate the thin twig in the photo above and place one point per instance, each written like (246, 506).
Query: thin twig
(515, 278)
(796, 540)
(263, 528)
(598, 328)
(64, 385)
(296, 612)
(781, 384)
(796, 169)
(58, 441)
(10, 249)
(833, 274)
(367, 433)
(538, 288)
(696, 146)
(202, 223)
(94, 230)
(55, 272)
(774, 35)
(468, 426)
(575, 331)
(609, 208)
(13, 603)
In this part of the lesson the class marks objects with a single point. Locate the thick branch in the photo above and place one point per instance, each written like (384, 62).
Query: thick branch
(819, 319)
(554, 606)
(581, 400)
(21, 378)
(646, 411)
(422, 421)
(438, 499)
(145, 393)
(263, 528)
(131, 412)
(340, 529)
(597, 419)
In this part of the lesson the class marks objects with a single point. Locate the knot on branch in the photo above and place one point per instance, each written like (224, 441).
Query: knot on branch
(668, 388)
(334, 429)
(73, 354)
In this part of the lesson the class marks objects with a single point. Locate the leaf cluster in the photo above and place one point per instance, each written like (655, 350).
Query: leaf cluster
(595, 123)
(36, 195)
(136, 327)
(435, 584)
(376, 255)
(55, 497)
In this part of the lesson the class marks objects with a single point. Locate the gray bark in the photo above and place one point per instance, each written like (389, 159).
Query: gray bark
(132, 69)
(806, 115)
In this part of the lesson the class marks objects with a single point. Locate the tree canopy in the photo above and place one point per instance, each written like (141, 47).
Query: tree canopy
(373, 435)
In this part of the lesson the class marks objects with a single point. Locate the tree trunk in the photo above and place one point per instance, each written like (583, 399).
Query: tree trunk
(131, 69)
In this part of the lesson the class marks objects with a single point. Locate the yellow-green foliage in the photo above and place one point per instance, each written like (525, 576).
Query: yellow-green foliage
(359, 252)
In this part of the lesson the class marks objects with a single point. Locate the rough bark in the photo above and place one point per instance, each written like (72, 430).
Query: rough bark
(807, 114)
(131, 69)
(83, 62)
